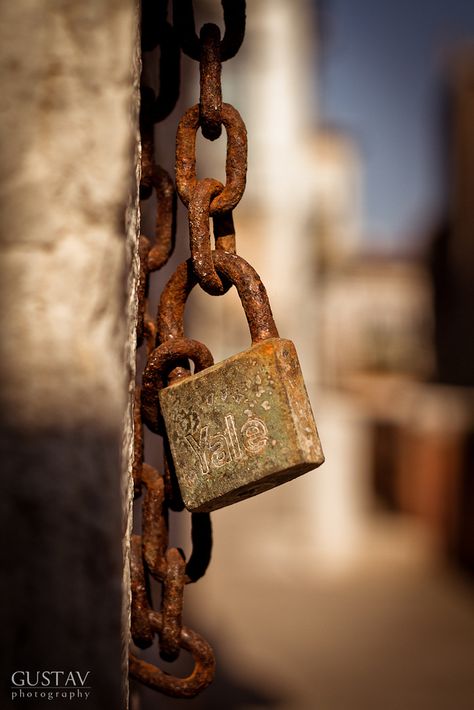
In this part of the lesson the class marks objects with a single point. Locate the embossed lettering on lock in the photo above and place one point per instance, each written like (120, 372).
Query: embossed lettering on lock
(245, 424)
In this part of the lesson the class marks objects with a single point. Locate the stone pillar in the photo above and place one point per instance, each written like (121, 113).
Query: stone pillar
(67, 129)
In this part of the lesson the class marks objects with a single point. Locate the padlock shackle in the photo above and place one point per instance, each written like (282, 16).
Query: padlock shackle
(250, 288)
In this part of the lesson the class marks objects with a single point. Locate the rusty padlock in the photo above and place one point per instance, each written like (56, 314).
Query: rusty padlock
(244, 425)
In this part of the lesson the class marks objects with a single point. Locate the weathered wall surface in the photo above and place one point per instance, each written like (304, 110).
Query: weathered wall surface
(66, 71)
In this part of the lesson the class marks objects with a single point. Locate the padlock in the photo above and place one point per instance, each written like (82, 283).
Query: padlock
(244, 425)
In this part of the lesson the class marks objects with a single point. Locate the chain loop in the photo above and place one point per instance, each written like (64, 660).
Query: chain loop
(154, 523)
(172, 605)
(234, 21)
(200, 241)
(210, 97)
(189, 687)
(155, 178)
(236, 158)
(169, 567)
(141, 629)
(165, 224)
(161, 362)
(154, 540)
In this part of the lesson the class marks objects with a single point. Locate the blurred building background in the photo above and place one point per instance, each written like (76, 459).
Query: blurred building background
(350, 588)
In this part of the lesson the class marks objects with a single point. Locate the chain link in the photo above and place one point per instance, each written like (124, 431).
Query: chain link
(210, 96)
(236, 158)
(234, 21)
(201, 254)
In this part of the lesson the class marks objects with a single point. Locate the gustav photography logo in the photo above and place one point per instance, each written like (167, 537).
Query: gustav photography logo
(50, 685)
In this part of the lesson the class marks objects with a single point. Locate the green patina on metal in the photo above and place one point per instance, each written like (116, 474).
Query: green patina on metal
(241, 427)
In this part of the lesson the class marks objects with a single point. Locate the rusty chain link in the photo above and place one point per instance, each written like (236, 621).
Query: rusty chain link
(235, 165)
(168, 355)
(210, 97)
(234, 21)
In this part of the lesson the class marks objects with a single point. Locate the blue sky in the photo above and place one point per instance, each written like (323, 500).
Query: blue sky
(382, 70)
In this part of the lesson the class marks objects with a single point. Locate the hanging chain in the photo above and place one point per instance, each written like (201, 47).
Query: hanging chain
(151, 558)
(208, 197)
(150, 554)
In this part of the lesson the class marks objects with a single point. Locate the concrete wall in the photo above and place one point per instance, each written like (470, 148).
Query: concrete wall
(68, 137)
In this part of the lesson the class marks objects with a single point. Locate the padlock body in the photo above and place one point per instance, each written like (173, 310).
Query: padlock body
(241, 427)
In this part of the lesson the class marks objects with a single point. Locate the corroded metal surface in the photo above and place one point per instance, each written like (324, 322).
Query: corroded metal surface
(155, 178)
(141, 630)
(188, 687)
(234, 20)
(199, 238)
(146, 623)
(241, 427)
(236, 158)
(252, 293)
(159, 365)
(165, 222)
(210, 97)
(207, 197)
(168, 566)
(172, 605)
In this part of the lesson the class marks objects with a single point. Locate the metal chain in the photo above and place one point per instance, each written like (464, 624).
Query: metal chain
(208, 197)
(151, 558)
(150, 555)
